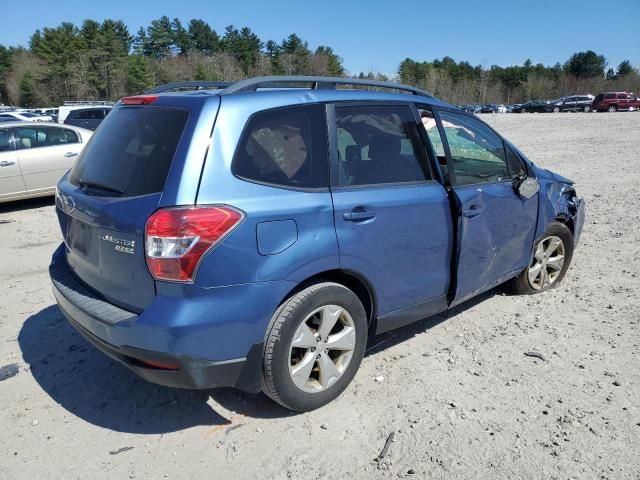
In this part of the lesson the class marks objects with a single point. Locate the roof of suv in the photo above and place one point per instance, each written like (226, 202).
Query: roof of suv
(301, 89)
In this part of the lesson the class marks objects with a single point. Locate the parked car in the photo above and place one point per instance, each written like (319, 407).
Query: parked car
(68, 107)
(573, 103)
(472, 108)
(52, 112)
(614, 101)
(533, 106)
(489, 108)
(33, 157)
(256, 238)
(25, 117)
(88, 118)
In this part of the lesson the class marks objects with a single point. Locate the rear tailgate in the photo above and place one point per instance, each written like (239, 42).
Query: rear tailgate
(103, 203)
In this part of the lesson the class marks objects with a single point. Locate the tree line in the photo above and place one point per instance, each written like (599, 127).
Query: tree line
(105, 61)
(462, 83)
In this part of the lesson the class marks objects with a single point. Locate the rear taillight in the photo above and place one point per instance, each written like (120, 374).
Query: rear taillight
(177, 238)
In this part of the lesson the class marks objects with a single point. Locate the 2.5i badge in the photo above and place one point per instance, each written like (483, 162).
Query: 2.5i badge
(120, 245)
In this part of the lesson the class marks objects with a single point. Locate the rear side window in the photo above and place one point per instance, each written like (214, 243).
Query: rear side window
(609, 96)
(71, 136)
(379, 144)
(94, 114)
(132, 151)
(285, 146)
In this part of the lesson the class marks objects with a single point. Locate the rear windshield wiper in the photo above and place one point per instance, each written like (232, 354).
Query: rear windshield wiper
(98, 188)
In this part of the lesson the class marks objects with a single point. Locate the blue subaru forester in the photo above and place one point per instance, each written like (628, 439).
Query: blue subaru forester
(255, 234)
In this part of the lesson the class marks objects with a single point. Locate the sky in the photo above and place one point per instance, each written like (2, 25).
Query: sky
(377, 35)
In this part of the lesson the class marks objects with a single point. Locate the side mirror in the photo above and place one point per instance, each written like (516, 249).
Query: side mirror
(525, 186)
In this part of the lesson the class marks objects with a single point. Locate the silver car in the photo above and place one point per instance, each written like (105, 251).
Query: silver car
(33, 157)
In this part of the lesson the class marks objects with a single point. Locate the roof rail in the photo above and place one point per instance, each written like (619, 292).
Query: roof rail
(193, 85)
(86, 102)
(317, 82)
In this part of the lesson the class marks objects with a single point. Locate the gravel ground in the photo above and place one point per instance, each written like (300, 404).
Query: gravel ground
(457, 391)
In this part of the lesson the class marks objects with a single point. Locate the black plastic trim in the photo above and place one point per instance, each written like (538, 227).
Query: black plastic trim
(405, 316)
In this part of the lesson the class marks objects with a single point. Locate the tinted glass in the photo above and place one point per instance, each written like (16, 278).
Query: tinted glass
(609, 96)
(72, 137)
(285, 146)
(379, 144)
(477, 152)
(94, 114)
(30, 137)
(132, 150)
(4, 140)
(622, 95)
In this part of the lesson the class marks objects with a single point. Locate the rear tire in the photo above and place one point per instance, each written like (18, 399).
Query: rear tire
(612, 108)
(587, 109)
(307, 363)
(551, 259)
(556, 110)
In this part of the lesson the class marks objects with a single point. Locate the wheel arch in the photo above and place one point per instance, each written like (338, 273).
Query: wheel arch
(566, 220)
(350, 279)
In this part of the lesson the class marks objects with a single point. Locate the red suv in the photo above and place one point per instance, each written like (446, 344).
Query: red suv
(614, 101)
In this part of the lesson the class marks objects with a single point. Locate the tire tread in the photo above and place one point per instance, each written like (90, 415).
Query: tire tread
(281, 316)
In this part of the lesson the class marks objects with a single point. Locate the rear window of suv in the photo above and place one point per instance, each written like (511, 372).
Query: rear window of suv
(131, 153)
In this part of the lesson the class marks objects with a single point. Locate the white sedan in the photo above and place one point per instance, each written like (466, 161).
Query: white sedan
(26, 117)
(33, 157)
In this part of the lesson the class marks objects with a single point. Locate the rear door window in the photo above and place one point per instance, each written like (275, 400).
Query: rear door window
(285, 146)
(132, 151)
(379, 144)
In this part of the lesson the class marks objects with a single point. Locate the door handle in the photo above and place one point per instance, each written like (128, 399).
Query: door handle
(472, 211)
(70, 154)
(4, 163)
(358, 215)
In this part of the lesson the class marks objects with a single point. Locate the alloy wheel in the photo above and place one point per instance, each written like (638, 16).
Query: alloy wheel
(547, 264)
(322, 348)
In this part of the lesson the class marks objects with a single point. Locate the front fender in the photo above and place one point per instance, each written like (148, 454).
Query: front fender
(559, 201)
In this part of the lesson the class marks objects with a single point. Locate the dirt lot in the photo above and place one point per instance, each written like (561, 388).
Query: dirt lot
(459, 393)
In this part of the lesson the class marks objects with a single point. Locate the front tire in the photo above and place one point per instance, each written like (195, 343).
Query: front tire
(314, 346)
(552, 254)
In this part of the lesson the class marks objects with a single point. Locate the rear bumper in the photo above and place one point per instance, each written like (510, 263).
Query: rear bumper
(178, 372)
(155, 349)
